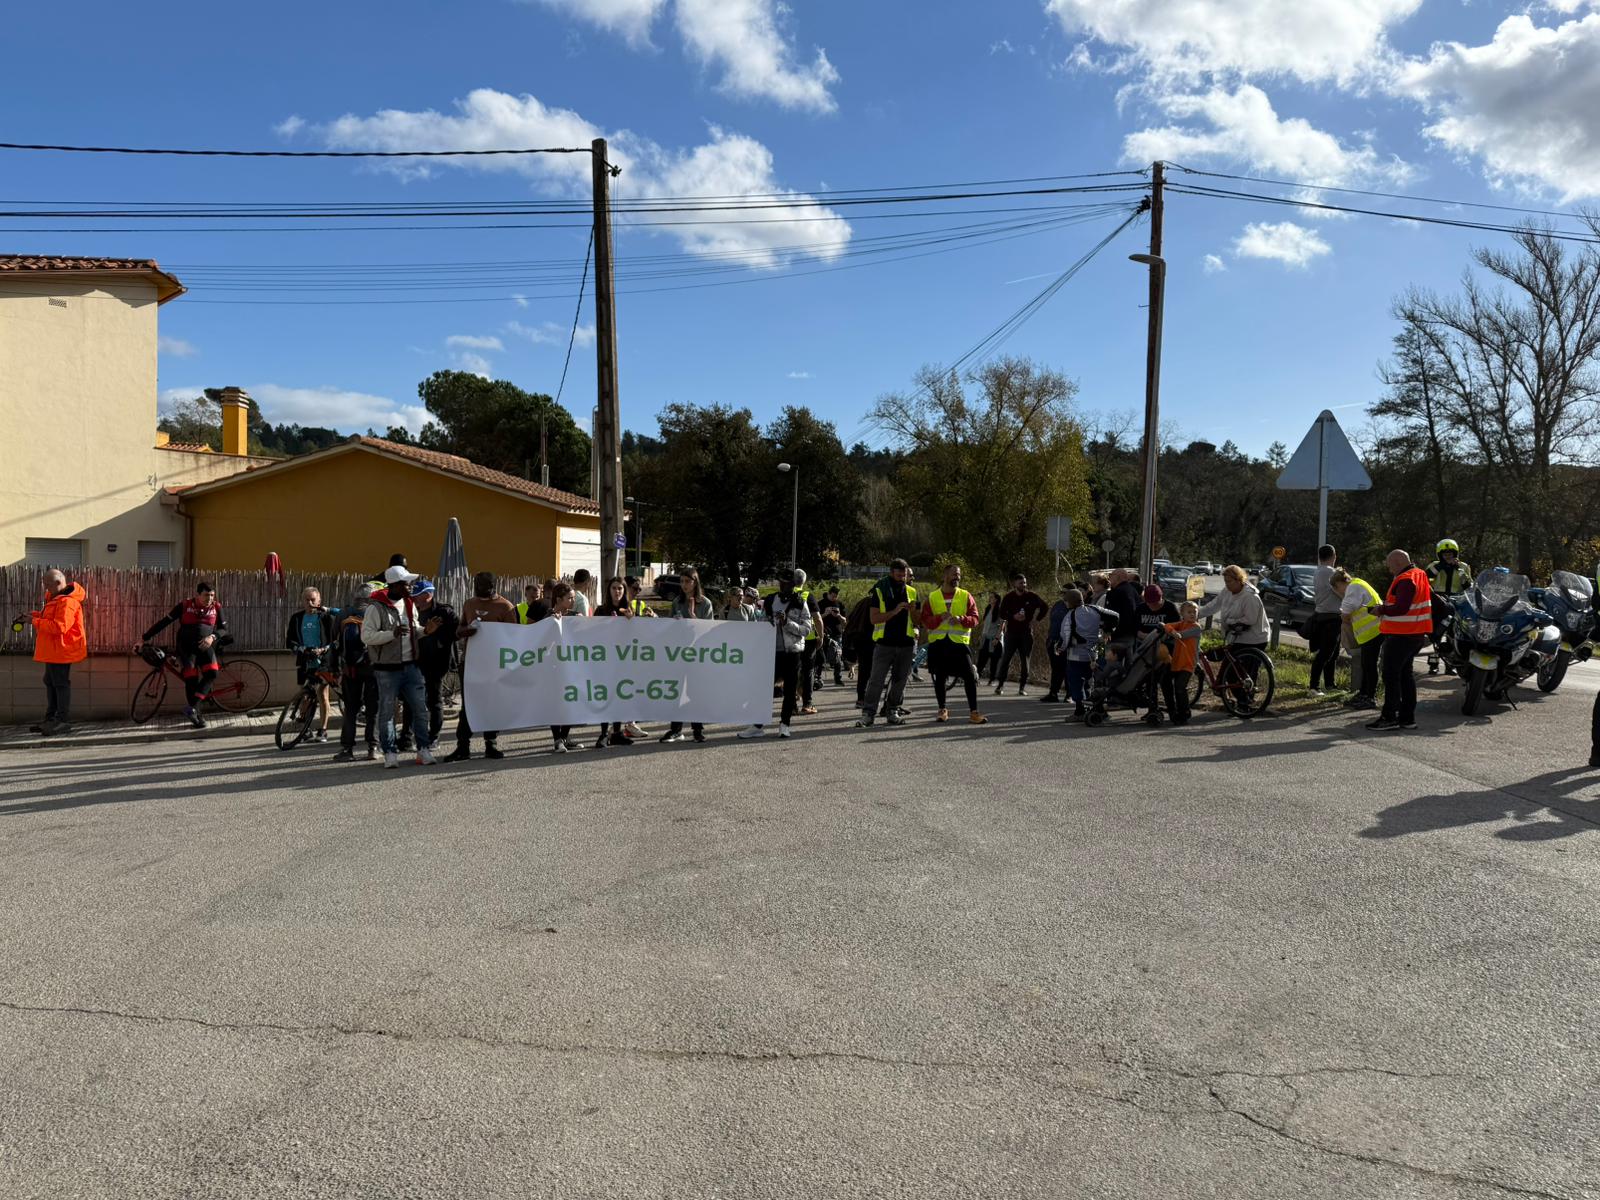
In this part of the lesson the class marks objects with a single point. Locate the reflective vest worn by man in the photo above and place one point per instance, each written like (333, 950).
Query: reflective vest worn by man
(950, 614)
(885, 603)
(1418, 618)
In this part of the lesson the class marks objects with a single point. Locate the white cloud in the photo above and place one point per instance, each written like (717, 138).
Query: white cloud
(799, 374)
(1285, 242)
(289, 126)
(472, 341)
(1311, 40)
(328, 407)
(1212, 263)
(519, 299)
(475, 364)
(1241, 126)
(549, 333)
(176, 347)
(1527, 103)
(728, 164)
(1003, 46)
(743, 38)
(630, 18)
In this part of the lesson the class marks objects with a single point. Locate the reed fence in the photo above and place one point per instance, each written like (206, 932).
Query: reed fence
(121, 603)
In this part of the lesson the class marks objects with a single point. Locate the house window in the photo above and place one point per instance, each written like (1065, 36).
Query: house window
(52, 552)
(155, 556)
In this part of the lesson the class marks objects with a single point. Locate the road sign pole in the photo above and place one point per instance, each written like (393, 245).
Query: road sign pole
(1322, 483)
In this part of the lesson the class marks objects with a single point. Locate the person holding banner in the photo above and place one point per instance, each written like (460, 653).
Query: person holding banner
(615, 604)
(484, 605)
(793, 615)
(692, 604)
(560, 594)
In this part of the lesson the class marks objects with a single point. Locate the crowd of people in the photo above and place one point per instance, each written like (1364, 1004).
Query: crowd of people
(393, 643)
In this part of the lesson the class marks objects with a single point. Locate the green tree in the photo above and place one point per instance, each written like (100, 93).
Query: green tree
(987, 472)
(496, 425)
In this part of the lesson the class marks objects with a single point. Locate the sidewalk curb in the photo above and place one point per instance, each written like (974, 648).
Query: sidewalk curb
(136, 735)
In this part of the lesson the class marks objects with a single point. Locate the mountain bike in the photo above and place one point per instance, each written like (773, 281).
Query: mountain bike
(1242, 677)
(238, 686)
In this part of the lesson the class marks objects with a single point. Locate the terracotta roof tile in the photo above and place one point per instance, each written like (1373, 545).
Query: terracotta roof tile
(456, 465)
(167, 286)
(191, 447)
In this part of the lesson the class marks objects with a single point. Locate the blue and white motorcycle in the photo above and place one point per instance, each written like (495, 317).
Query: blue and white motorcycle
(1501, 638)
(1570, 602)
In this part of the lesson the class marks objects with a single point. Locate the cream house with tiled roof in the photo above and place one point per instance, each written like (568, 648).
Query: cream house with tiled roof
(83, 480)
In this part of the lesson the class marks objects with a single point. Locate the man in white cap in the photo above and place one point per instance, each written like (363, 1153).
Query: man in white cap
(389, 632)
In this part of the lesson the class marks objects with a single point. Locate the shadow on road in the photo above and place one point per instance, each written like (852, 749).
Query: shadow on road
(1553, 796)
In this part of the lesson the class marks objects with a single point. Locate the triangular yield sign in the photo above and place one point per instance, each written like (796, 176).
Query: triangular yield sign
(1325, 459)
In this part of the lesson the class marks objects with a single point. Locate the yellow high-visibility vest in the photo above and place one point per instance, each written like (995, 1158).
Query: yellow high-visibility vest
(1362, 623)
(959, 606)
(805, 595)
(883, 606)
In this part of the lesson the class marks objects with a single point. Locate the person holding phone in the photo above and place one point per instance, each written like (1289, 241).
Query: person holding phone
(894, 643)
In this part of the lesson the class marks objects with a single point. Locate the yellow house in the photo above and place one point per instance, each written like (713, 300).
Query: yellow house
(351, 506)
(82, 479)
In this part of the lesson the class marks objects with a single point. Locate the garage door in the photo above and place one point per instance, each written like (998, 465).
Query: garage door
(580, 549)
(53, 552)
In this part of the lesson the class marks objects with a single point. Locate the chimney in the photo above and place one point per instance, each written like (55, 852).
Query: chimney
(235, 421)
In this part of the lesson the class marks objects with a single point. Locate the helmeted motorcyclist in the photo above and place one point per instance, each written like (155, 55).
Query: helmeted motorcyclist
(1450, 578)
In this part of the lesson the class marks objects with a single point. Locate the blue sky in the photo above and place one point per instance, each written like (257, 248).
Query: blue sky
(1273, 313)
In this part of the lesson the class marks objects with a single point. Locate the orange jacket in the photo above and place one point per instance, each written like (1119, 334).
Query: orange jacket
(58, 630)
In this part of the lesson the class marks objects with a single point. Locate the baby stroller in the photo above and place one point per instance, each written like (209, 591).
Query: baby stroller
(1128, 679)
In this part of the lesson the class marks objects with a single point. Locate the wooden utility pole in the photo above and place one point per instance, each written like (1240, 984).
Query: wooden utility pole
(1152, 375)
(608, 410)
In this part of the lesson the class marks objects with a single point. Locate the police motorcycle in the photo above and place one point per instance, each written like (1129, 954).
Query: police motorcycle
(1570, 602)
(1500, 638)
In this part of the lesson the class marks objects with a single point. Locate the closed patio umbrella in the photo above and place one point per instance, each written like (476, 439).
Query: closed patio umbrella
(453, 582)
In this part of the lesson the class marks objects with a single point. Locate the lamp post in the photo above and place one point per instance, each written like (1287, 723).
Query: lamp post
(638, 535)
(1152, 408)
(794, 530)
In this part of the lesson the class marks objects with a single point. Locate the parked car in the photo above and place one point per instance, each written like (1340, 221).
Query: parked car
(1286, 594)
(1206, 567)
(668, 587)
(1174, 582)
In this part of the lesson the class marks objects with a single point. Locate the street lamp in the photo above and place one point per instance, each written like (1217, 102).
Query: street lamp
(1152, 408)
(794, 534)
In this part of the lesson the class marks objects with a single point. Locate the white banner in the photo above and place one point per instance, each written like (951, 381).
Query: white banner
(586, 670)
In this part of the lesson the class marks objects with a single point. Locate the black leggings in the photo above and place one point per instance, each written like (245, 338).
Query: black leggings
(947, 659)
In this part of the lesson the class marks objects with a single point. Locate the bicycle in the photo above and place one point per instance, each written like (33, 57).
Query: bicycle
(1234, 675)
(239, 685)
(300, 713)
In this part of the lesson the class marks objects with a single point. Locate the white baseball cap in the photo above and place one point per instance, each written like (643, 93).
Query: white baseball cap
(398, 575)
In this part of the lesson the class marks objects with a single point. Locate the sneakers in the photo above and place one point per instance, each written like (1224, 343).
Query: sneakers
(345, 754)
(56, 728)
(699, 735)
(391, 760)
(998, 688)
(977, 718)
(1360, 701)
(372, 752)
(944, 715)
(194, 718)
(896, 719)
(1408, 724)
(808, 711)
(1022, 691)
(1384, 724)
(493, 752)
(461, 753)
(754, 731)
(670, 736)
(861, 723)
(570, 744)
(784, 730)
(601, 742)
(632, 730)
(319, 735)
(425, 757)
(559, 748)
(1051, 698)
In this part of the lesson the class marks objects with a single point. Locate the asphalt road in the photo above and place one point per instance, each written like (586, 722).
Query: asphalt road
(1237, 960)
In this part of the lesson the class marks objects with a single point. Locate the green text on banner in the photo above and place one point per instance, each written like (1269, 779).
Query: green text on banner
(585, 670)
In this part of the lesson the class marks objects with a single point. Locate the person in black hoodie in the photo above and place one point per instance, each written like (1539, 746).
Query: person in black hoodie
(435, 649)
(358, 685)
(312, 636)
(1125, 599)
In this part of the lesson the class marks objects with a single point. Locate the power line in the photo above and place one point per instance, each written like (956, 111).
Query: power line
(1256, 197)
(577, 313)
(292, 153)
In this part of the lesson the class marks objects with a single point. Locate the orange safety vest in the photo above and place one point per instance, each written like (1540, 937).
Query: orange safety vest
(1419, 618)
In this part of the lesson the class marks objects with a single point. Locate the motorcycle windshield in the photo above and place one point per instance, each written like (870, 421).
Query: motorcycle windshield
(1576, 590)
(1498, 593)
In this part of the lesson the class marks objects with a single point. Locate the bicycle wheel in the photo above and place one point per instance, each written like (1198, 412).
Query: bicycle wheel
(147, 699)
(294, 722)
(1248, 682)
(450, 688)
(240, 686)
(1197, 688)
